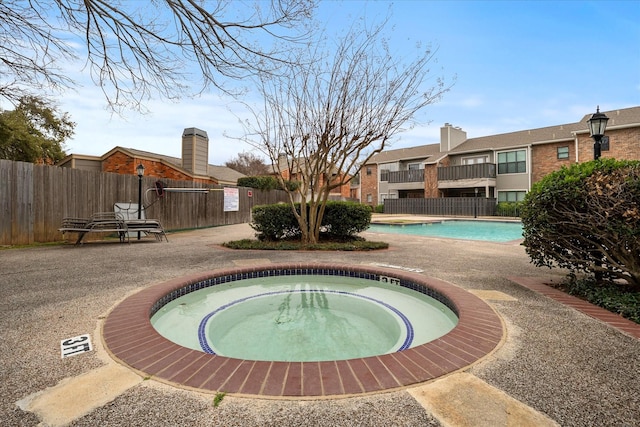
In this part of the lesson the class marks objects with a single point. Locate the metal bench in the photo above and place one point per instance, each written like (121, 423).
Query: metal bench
(101, 222)
(150, 226)
(112, 222)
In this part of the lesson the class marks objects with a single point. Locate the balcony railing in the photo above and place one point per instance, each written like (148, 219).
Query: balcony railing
(412, 175)
(479, 170)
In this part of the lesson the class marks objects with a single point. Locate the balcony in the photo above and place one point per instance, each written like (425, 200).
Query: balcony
(413, 175)
(467, 172)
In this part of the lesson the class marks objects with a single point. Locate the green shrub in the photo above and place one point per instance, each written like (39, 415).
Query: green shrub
(284, 245)
(379, 208)
(265, 183)
(274, 222)
(259, 182)
(341, 221)
(612, 297)
(508, 208)
(587, 218)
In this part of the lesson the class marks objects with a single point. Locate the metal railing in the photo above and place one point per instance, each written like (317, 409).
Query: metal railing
(412, 175)
(479, 170)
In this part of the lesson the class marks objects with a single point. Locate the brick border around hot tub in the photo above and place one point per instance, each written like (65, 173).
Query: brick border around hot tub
(131, 339)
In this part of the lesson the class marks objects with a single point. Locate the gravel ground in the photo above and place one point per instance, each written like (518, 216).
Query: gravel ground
(574, 369)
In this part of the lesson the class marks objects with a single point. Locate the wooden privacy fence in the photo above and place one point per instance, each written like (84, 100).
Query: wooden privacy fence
(444, 206)
(35, 198)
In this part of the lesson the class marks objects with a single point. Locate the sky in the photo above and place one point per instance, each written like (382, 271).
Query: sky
(515, 65)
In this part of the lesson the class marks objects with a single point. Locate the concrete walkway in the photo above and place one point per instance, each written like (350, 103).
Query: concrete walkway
(557, 365)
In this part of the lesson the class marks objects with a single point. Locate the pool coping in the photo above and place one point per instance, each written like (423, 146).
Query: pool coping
(130, 339)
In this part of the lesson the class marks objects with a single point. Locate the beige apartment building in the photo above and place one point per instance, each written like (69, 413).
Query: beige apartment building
(502, 166)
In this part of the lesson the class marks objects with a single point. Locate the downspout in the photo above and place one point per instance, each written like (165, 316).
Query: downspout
(575, 141)
(529, 166)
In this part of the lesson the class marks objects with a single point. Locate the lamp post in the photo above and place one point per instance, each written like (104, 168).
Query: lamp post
(140, 172)
(597, 125)
(475, 204)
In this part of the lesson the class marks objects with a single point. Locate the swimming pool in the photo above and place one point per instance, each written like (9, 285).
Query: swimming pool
(491, 231)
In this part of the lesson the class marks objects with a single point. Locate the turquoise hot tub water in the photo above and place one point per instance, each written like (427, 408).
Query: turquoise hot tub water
(303, 318)
(491, 231)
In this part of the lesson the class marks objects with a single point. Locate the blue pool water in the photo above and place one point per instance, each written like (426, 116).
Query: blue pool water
(491, 231)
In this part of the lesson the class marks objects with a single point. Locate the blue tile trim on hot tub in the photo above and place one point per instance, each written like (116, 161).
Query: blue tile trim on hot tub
(204, 344)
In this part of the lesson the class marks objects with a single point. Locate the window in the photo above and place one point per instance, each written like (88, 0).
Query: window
(604, 143)
(413, 166)
(511, 196)
(512, 162)
(368, 171)
(563, 152)
(369, 198)
(474, 160)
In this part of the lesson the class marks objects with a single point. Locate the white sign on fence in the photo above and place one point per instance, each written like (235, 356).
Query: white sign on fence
(231, 199)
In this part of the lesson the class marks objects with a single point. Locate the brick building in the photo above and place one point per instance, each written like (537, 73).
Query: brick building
(292, 170)
(193, 166)
(502, 166)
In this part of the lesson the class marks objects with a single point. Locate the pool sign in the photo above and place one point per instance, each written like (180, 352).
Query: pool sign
(231, 200)
(390, 280)
(75, 345)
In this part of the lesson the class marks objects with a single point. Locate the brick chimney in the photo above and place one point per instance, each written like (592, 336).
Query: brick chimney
(195, 151)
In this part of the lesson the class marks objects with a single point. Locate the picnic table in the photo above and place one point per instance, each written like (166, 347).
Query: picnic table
(112, 222)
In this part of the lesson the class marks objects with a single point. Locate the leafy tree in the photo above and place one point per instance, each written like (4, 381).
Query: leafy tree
(34, 132)
(136, 48)
(587, 218)
(249, 164)
(333, 110)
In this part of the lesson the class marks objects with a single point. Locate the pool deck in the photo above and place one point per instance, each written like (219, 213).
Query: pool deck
(561, 362)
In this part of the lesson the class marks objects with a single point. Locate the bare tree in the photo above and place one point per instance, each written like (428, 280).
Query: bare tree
(134, 49)
(327, 118)
(249, 164)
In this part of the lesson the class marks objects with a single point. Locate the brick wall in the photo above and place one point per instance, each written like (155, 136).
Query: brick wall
(544, 158)
(624, 144)
(121, 163)
(369, 185)
(344, 190)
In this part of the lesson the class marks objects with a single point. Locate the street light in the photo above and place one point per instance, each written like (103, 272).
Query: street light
(140, 171)
(597, 125)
